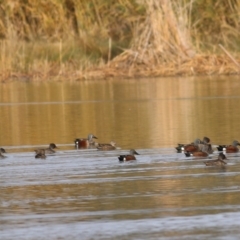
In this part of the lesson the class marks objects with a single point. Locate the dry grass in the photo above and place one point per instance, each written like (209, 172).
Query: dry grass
(41, 61)
(73, 39)
(162, 46)
(198, 65)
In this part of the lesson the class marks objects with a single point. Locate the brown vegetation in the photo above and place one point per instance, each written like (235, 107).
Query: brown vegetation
(102, 39)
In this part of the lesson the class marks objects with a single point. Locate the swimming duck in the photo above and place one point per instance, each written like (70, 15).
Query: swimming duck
(50, 148)
(40, 151)
(196, 154)
(85, 142)
(204, 151)
(197, 145)
(129, 156)
(2, 150)
(40, 155)
(230, 148)
(217, 162)
(206, 147)
(46, 150)
(106, 146)
(192, 147)
(2, 156)
(206, 140)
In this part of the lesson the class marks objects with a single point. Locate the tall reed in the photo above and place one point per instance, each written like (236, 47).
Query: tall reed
(69, 37)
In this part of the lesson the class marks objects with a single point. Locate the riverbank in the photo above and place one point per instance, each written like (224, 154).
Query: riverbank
(198, 65)
(120, 69)
(68, 40)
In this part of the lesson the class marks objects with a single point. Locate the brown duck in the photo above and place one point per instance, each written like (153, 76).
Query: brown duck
(2, 156)
(230, 148)
(218, 162)
(50, 149)
(106, 146)
(85, 142)
(204, 150)
(128, 157)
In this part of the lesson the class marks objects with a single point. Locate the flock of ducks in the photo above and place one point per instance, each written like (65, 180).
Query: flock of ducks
(82, 143)
(202, 148)
(90, 143)
(198, 148)
(41, 153)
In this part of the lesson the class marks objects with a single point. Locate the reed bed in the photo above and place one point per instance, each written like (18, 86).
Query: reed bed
(70, 39)
(199, 65)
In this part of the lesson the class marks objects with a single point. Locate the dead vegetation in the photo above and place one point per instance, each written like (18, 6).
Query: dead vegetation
(118, 39)
(162, 46)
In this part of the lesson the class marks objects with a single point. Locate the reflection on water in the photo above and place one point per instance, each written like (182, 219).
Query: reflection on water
(88, 194)
(142, 113)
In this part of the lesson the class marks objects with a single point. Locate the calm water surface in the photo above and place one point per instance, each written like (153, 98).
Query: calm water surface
(88, 194)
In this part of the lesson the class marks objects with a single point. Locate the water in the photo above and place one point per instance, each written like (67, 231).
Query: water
(88, 194)
(145, 113)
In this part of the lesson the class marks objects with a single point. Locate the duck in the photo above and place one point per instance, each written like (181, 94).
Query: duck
(106, 146)
(47, 150)
(40, 151)
(192, 147)
(50, 148)
(128, 157)
(85, 142)
(2, 156)
(217, 162)
(229, 148)
(204, 150)
(41, 154)
(206, 140)
(196, 154)
(206, 147)
(2, 150)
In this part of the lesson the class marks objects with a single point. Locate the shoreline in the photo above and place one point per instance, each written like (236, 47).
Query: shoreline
(72, 40)
(200, 65)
